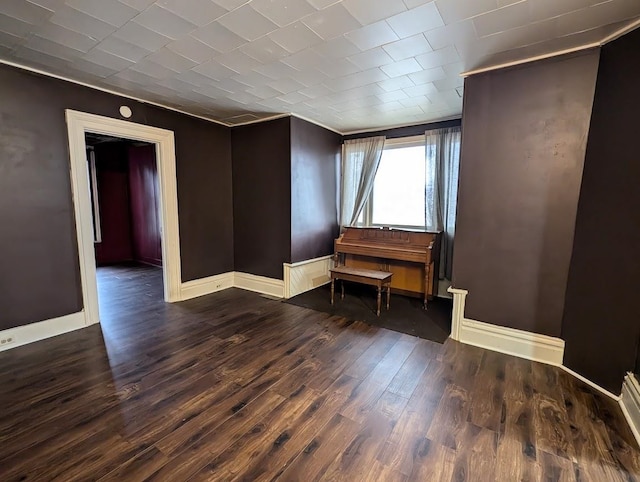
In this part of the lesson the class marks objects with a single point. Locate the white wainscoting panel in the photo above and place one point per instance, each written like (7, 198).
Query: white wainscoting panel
(205, 286)
(630, 404)
(306, 275)
(22, 335)
(259, 284)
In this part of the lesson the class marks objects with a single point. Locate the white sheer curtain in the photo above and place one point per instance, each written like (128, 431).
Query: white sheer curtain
(442, 158)
(360, 161)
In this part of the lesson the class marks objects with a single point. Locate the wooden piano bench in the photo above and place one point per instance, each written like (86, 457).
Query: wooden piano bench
(380, 279)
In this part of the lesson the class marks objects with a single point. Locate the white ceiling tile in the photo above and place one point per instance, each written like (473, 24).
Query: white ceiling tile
(139, 5)
(370, 11)
(122, 48)
(408, 47)
(338, 47)
(265, 50)
(543, 9)
(41, 59)
(316, 91)
(264, 92)
(238, 61)
(159, 20)
(417, 20)
(171, 60)
(107, 60)
(252, 79)
(12, 26)
(243, 97)
(218, 37)
(276, 70)
(428, 75)
(285, 86)
(192, 48)
(25, 11)
(52, 49)
(81, 22)
(597, 15)
(198, 12)
(66, 37)
(295, 37)
(503, 19)
(87, 67)
(439, 57)
(309, 77)
(231, 4)
(403, 67)
(460, 33)
(389, 96)
(371, 58)
(307, 59)
(337, 68)
(422, 89)
(214, 70)
(229, 84)
(448, 83)
(332, 22)
(357, 79)
(283, 12)
(413, 101)
(194, 78)
(115, 13)
(320, 4)
(415, 3)
(293, 98)
(371, 36)
(247, 23)
(152, 69)
(394, 84)
(455, 10)
(9, 41)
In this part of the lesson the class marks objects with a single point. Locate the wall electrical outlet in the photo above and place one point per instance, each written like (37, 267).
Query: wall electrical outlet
(7, 340)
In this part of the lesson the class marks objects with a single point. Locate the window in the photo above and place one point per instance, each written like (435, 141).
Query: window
(398, 195)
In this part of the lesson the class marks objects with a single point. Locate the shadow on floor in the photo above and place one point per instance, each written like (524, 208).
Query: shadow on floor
(405, 314)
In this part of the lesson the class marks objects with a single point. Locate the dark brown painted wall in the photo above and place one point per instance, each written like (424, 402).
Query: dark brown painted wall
(38, 241)
(112, 173)
(145, 204)
(524, 137)
(315, 157)
(601, 324)
(262, 197)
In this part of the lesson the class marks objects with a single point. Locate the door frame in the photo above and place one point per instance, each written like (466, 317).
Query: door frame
(79, 123)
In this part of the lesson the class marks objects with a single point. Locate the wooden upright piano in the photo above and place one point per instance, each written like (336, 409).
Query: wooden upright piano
(412, 257)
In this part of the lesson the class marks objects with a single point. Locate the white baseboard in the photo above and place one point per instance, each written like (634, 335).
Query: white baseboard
(259, 284)
(23, 335)
(205, 286)
(306, 275)
(630, 404)
(524, 344)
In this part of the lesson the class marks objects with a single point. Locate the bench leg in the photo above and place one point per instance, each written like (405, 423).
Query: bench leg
(388, 294)
(333, 285)
(379, 298)
(342, 286)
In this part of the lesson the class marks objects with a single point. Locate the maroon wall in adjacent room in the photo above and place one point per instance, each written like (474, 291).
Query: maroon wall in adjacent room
(145, 205)
(524, 136)
(38, 238)
(262, 197)
(315, 157)
(113, 200)
(601, 324)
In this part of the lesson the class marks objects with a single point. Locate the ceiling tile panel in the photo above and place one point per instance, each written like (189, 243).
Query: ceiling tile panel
(370, 11)
(285, 86)
(192, 48)
(408, 47)
(12, 26)
(373, 35)
(171, 60)
(66, 37)
(114, 13)
(416, 20)
(77, 21)
(403, 67)
(371, 58)
(503, 19)
(158, 19)
(218, 37)
(265, 50)
(136, 34)
(139, 5)
(453, 11)
(198, 12)
(52, 49)
(428, 75)
(293, 98)
(238, 61)
(247, 23)
(124, 49)
(295, 37)
(25, 11)
(394, 84)
(439, 57)
(283, 12)
(107, 59)
(332, 22)
(214, 70)
(337, 48)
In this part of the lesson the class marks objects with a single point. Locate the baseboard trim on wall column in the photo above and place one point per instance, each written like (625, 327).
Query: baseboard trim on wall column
(259, 284)
(457, 315)
(205, 286)
(630, 404)
(306, 275)
(23, 335)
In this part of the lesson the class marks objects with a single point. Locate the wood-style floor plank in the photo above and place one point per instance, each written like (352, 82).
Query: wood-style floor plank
(236, 386)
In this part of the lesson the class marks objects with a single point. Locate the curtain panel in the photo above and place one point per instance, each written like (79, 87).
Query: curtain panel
(360, 161)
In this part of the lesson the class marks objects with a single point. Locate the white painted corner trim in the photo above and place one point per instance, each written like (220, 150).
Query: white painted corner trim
(205, 286)
(630, 404)
(23, 335)
(306, 275)
(78, 123)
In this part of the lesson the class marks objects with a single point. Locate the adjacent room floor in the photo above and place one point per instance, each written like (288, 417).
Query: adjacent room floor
(235, 386)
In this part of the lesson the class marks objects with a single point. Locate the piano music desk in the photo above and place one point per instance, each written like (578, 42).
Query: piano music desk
(379, 279)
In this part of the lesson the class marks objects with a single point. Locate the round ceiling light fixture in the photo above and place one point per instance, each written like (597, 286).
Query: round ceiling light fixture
(125, 111)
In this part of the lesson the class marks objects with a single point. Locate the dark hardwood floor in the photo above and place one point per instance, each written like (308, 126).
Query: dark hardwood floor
(235, 386)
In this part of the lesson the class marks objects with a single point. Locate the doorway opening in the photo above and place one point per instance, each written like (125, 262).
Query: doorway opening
(162, 142)
(125, 202)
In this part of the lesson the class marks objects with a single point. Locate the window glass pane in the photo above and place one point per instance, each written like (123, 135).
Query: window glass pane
(399, 188)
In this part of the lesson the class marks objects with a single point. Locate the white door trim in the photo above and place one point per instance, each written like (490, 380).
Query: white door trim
(78, 123)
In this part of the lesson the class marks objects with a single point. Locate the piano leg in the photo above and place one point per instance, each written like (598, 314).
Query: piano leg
(388, 294)
(333, 284)
(342, 287)
(379, 298)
